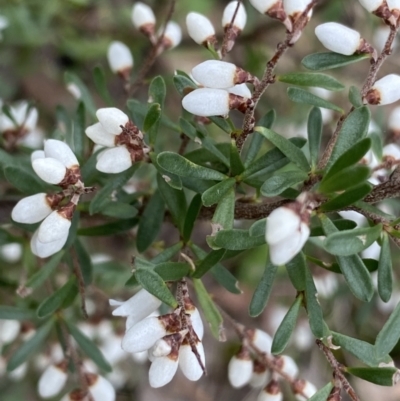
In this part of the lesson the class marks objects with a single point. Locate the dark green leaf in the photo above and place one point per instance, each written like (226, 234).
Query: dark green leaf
(167, 253)
(150, 222)
(24, 180)
(389, 335)
(56, 300)
(345, 179)
(172, 271)
(101, 84)
(314, 131)
(113, 228)
(340, 224)
(183, 84)
(85, 263)
(89, 347)
(38, 278)
(314, 310)
(205, 264)
(79, 136)
(328, 60)
(217, 192)
(237, 166)
(119, 210)
(138, 111)
(191, 216)
(154, 284)
(323, 393)
(291, 151)
(312, 79)
(281, 181)
(355, 97)
(86, 97)
(296, 269)
(30, 346)
(385, 278)
(380, 376)
(258, 228)
(157, 91)
(236, 239)
(302, 96)
(285, 329)
(152, 117)
(16, 313)
(209, 309)
(172, 180)
(221, 123)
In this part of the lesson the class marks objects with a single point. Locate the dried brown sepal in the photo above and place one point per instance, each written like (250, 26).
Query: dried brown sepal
(91, 379)
(231, 32)
(298, 386)
(12, 136)
(242, 76)
(383, 12)
(63, 365)
(278, 12)
(132, 138)
(373, 97)
(172, 321)
(125, 74)
(54, 200)
(72, 176)
(367, 48)
(240, 103)
(78, 395)
(335, 395)
(272, 387)
(67, 211)
(244, 353)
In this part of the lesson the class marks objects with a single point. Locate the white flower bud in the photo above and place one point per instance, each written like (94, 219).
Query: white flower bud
(111, 348)
(371, 5)
(393, 5)
(295, 7)
(307, 388)
(9, 330)
(140, 357)
(242, 90)
(263, 6)
(11, 252)
(188, 362)
(31, 209)
(114, 160)
(52, 381)
(338, 38)
(216, 74)
(385, 91)
(143, 335)
(111, 119)
(207, 102)
(391, 150)
(172, 35)
(142, 15)
(200, 28)
(100, 388)
(261, 340)
(261, 375)
(60, 151)
(394, 119)
(100, 136)
(241, 16)
(162, 371)
(37, 154)
(288, 366)
(43, 250)
(271, 392)
(240, 370)
(53, 227)
(49, 170)
(119, 57)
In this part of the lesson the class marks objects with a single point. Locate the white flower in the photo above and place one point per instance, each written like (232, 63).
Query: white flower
(391, 150)
(9, 330)
(31, 209)
(288, 366)
(381, 33)
(18, 373)
(261, 340)
(338, 38)
(385, 91)
(295, 7)
(241, 16)
(240, 369)
(188, 362)
(260, 376)
(200, 28)
(11, 252)
(271, 392)
(100, 388)
(119, 58)
(394, 119)
(371, 5)
(243, 91)
(216, 74)
(263, 6)
(393, 5)
(52, 380)
(286, 234)
(142, 16)
(162, 370)
(306, 387)
(172, 35)
(207, 102)
(372, 252)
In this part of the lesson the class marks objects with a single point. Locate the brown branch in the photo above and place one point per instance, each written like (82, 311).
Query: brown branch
(228, 31)
(268, 76)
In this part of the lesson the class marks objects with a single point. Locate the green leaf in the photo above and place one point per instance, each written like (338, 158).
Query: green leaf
(355, 97)
(150, 222)
(380, 376)
(209, 261)
(281, 181)
(56, 300)
(38, 278)
(138, 112)
(101, 84)
(354, 128)
(221, 123)
(285, 329)
(85, 263)
(258, 228)
(312, 79)
(237, 166)
(182, 167)
(86, 97)
(29, 347)
(314, 310)
(79, 136)
(119, 210)
(89, 347)
(152, 117)
(16, 313)
(225, 211)
(175, 201)
(171, 179)
(211, 312)
(302, 96)
(347, 198)
(24, 180)
(191, 216)
(154, 284)
(183, 84)
(340, 224)
(349, 177)
(113, 228)
(292, 152)
(263, 290)
(389, 335)
(236, 239)
(362, 350)
(172, 271)
(328, 60)
(349, 242)
(167, 253)
(323, 393)
(296, 269)
(314, 131)
(250, 153)
(385, 278)
(103, 196)
(157, 91)
(217, 192)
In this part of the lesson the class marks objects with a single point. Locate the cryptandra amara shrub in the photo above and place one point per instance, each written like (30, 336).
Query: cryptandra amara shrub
(321, 206)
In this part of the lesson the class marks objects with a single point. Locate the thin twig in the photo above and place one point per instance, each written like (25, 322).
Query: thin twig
(81, 282)
(228, 31)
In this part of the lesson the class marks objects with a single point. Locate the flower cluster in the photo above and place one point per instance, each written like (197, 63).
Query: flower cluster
(55, 165)
(170, 340)
(123, 139)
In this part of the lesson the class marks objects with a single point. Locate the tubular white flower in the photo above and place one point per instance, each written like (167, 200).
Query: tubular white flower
(100, 136)
(162, 371)
(114, 160)
(289, 366)
(242, 90)
(54, 227)
(9, 330)
(188, 362)
(43, 250)
(119, 57)
(199, 28)
(142, 15)
(393, 4)
(263, 5)
(338, 38)
(262, 340)
(215, 74)
(293, 7)
(31, 209)
(49, 170)
(143, 335)
(60, 151)
(385, 91)
(371, 5)
(309, 390)
(241, 16)
(111, 119)
(240, 371)
(207, 102)
(52, 381)
(394, 119)
(172, 34)
(100, 388)
(11, 252)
